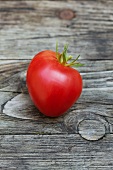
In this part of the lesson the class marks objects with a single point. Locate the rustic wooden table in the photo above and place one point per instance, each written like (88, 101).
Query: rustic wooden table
(82, 139)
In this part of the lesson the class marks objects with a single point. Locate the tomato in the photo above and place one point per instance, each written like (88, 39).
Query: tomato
(54, 86)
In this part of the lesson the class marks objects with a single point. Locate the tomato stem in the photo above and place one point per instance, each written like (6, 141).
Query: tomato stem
(63, 58)
(57, 50)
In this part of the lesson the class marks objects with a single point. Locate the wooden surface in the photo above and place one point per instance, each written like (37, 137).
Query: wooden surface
(81, 139)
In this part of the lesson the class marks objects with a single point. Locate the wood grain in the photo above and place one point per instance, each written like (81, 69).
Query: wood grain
(21, 107)
(26, 29)
(81, 139)
(55, 152)
(96, 74)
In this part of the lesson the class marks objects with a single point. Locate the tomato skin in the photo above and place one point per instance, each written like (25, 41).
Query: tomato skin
(52, 86)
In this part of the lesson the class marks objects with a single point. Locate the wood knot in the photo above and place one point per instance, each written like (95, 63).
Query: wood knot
(91, 129)
(66, 14)
(88, 124)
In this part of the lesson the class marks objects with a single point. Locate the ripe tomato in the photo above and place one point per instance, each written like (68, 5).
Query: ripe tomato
(52, 84)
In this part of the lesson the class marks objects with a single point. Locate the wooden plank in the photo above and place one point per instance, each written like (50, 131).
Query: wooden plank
(34, 152)
(95, 102)
(94, 106)
(96, 74)
(13, 75)
(33, 31)
(91, 47)
(83, 137)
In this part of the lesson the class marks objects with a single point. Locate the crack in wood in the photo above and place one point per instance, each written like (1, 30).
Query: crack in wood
(3, 105)
(15, 9)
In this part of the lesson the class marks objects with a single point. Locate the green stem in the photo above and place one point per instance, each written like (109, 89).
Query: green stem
(63, 58)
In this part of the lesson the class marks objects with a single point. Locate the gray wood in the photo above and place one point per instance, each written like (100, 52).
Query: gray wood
(26, 27)
(81, 139)
(91, 129)
(32, 152)
(21, 107)
(96, 74)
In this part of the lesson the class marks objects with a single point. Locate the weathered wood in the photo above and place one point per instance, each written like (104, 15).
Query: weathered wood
(32, 152)
(96, 74)
(82, 138)
(13, 76)
(34, 22)
(91, 109)
(91, 46)
(91, 129)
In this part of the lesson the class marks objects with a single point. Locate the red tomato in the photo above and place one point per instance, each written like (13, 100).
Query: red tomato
(53, 86)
